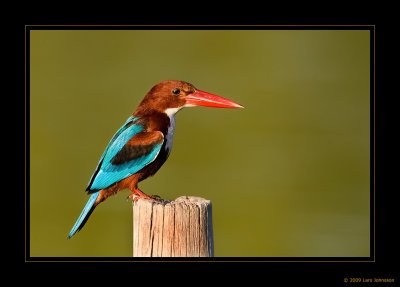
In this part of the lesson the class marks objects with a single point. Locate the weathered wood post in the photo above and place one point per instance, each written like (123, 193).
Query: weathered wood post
(179, 228)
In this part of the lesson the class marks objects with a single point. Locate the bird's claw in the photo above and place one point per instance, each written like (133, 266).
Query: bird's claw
(134, 197)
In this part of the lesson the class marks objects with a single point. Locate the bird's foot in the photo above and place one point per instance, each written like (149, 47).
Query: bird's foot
(137, 194)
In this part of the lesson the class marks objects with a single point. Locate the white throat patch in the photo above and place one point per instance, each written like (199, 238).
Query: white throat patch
(172, 111)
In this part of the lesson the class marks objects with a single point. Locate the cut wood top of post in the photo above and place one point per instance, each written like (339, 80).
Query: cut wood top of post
(182, 199)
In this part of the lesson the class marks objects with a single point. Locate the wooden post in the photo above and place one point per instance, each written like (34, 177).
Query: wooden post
(180, 228)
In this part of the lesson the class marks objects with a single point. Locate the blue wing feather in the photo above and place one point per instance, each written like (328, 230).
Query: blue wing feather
(128, 122)
(107, 173)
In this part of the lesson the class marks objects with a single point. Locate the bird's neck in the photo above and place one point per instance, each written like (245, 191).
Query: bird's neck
(153, 120)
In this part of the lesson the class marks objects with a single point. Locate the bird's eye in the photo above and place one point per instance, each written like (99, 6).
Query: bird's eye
(176, 91)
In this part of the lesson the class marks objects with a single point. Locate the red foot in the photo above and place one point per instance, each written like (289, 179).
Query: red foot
(137, 193)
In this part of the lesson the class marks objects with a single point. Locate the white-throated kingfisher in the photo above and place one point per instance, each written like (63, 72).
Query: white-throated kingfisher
(142, 145)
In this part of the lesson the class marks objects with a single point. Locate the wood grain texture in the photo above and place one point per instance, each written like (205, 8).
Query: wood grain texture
(179, 228)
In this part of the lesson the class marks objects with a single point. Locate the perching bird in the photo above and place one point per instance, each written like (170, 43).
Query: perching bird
(142, 145)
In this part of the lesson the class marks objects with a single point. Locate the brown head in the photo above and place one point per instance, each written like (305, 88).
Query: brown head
(170, 96)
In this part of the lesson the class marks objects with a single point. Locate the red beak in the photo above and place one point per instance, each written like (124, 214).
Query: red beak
(200, 98)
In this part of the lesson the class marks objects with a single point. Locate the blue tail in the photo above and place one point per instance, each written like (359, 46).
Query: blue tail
(86, 212)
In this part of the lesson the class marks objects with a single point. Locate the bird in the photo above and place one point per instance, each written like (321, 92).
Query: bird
(143, 143)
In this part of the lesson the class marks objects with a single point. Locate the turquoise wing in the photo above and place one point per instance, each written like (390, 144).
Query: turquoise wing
(130, 150)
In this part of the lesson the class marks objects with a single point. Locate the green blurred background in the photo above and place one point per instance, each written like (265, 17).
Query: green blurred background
(289, 175)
